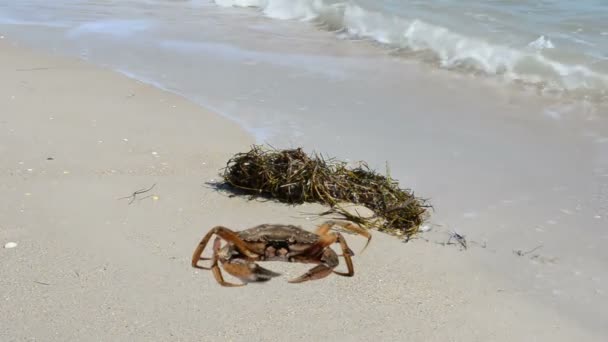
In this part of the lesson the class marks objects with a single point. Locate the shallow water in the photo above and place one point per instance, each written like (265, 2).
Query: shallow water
(558, 46)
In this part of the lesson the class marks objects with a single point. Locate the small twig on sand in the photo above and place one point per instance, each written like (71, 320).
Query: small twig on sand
(519, 252)
(41, 283)
(133, 196)
(460, 239)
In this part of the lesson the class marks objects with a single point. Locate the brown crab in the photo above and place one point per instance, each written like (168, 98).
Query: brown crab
(276, 242)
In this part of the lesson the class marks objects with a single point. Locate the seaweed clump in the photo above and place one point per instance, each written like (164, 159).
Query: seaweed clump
(294, 177)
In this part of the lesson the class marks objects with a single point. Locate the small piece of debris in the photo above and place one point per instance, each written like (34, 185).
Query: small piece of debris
(66, 172)
(156, 198)
(133, 196)
(425, 228)
(520, 252)
(459, 238)
(10, 245)
(50, 158)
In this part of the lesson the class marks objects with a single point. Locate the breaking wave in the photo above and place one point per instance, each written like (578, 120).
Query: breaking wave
(439, 45)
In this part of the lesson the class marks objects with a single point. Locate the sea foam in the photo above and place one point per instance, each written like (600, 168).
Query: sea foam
(437, 44)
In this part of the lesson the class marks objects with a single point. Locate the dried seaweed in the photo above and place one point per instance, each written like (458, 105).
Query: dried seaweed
(294, 177)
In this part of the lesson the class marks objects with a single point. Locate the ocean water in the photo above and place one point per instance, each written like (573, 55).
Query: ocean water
(559, 46)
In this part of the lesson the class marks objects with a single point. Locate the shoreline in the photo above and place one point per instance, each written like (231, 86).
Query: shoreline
(121, 272)
(528, 62)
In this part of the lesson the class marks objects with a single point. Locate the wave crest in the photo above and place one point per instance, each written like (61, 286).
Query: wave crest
(438, 44)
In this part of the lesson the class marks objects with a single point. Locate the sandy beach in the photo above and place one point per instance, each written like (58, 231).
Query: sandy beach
(89, 266)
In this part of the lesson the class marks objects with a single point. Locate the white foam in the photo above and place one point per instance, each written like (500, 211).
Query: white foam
(542, 43)
(449, 49)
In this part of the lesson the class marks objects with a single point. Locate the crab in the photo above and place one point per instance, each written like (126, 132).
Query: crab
(277, 242)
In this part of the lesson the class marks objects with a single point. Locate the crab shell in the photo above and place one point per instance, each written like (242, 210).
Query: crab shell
(275, 242)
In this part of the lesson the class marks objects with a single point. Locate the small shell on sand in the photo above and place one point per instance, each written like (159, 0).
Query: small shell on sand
(10, 245)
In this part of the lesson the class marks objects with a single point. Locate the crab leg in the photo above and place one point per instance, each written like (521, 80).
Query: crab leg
(329, 260)
(225, 234)
(217, 273)
(245, 270)
(347, 253)
(324, 228)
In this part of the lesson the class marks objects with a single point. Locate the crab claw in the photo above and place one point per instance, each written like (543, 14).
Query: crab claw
(262, 274)
(249, 272)
(318, 272)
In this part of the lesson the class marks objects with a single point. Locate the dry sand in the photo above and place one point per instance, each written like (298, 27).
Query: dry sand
(89, 266)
